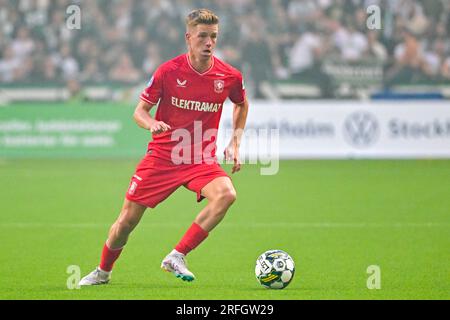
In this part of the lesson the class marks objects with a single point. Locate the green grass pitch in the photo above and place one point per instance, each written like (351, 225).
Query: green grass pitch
(335, 218)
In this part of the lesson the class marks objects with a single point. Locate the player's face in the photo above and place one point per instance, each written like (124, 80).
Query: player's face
(202, 39)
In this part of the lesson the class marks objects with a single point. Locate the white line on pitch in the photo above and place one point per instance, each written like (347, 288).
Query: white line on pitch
(289, 225)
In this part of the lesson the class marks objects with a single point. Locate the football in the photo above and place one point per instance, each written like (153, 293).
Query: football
(274, 269)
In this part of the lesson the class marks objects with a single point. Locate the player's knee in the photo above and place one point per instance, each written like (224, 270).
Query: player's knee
(228, 196)
(125, 226)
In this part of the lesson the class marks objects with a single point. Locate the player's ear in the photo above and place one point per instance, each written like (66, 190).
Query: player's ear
(188, 37)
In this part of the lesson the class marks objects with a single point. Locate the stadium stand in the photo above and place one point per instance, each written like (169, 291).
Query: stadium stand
(285, 48)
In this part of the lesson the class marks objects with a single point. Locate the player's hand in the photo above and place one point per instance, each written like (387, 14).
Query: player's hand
(231, 153)
(158, 127)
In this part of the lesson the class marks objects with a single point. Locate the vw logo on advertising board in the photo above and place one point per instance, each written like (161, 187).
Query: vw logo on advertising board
(361, 129)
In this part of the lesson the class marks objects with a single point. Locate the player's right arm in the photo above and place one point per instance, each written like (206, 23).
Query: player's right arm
(144, 120)
(148, 99)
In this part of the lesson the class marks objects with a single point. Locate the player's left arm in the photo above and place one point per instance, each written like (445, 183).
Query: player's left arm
(231, 152)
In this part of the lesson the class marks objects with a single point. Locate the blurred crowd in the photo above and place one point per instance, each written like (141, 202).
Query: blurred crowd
(123, 41)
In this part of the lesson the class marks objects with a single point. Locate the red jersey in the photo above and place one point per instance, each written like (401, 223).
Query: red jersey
(191, 103)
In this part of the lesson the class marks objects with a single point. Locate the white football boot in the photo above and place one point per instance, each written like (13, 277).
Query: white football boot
(175, 262)
(96, 277)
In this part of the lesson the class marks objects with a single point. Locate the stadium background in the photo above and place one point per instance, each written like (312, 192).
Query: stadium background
(313, 69)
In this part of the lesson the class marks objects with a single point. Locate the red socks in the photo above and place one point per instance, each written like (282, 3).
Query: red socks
(191, 239)
(109, 256)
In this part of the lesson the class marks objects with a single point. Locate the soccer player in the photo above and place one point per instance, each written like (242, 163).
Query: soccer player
(190, 90)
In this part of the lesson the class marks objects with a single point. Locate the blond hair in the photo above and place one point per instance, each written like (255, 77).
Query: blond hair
(201, 16)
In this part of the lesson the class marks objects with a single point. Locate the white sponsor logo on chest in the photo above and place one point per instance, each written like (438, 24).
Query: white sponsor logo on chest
(196, 105)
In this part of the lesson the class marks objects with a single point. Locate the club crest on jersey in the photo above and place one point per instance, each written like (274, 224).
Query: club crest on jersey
(218, 86)
(181, 84)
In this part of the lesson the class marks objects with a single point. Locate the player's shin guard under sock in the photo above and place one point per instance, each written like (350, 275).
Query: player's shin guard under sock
(191, 239)
(109, 256)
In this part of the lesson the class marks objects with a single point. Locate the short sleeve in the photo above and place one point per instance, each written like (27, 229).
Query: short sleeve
(153, 92)
(237, 91)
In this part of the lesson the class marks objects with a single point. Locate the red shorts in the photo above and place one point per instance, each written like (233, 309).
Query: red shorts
(155, 179)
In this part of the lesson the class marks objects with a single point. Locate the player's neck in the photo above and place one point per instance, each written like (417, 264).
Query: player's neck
(200, 65)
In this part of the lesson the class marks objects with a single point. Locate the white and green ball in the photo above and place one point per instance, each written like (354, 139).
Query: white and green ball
(274, 269)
